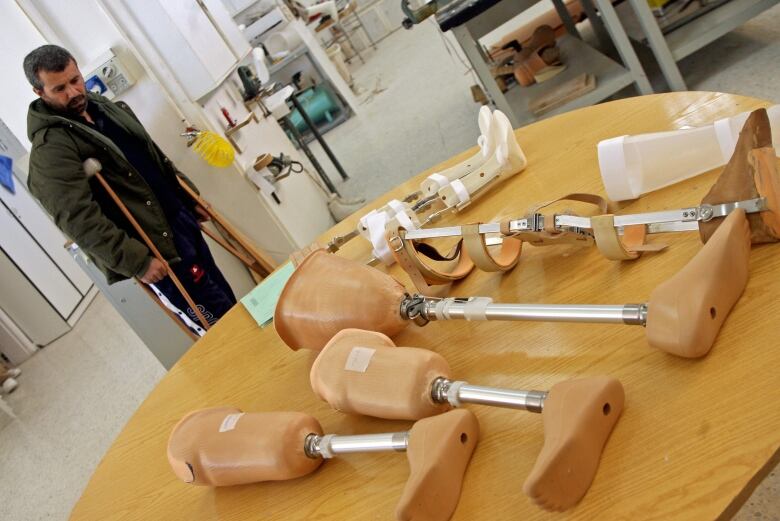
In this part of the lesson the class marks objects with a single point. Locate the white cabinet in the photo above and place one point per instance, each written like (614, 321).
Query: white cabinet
(198, 40)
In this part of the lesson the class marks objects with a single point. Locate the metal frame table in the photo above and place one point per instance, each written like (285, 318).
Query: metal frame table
(668, 49)
(579, 56)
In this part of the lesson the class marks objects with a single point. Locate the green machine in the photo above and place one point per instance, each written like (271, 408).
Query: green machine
(319, 103)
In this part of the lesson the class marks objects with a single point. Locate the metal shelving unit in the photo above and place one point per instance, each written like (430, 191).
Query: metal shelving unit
(578, 55)
(641, 25)
(580, 58)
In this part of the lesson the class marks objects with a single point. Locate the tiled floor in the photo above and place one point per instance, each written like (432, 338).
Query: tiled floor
(75, 396)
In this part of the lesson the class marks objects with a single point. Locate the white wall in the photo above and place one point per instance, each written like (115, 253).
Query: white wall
(17, 37)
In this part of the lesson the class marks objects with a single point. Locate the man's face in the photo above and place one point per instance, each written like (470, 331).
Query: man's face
(64, 91)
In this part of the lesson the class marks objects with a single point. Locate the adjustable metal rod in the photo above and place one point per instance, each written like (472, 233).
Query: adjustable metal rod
(430, 308)
(455, 393)
(329, 445)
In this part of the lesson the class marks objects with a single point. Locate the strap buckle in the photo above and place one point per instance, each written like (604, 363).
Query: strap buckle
(396, 239)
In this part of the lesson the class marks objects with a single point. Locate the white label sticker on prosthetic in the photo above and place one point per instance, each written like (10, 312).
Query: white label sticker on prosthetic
(359, 358)
(461, 191)
(230, 421)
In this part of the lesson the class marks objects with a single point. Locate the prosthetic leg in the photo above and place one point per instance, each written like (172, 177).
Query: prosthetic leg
(683, 315)
(363, 372)
(224, 446)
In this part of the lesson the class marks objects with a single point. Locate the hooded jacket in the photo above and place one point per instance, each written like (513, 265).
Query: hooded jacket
(81, 207)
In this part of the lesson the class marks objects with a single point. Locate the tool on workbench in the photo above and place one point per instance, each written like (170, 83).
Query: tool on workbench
(363, 372)
(224, 446)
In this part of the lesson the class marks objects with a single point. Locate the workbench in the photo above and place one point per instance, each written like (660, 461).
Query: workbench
(695, 436)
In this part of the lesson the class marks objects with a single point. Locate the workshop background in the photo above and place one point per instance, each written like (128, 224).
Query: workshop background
(387, 103)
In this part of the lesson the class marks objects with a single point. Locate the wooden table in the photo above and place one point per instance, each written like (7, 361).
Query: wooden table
(695, 437)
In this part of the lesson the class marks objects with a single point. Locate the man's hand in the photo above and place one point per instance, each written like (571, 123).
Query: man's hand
(201, 213)
(155, 272)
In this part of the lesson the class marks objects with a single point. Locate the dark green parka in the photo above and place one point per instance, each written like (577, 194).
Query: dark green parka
(80, 207)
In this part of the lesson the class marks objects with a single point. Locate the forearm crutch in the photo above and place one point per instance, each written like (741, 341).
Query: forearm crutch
(328, 293)
(223, 446)
(363, 372)
(246, 252)
(92, 167)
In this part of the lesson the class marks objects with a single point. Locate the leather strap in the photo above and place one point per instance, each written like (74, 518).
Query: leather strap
(593, 199)
(422, 275)
(614, 247)
(474, 243)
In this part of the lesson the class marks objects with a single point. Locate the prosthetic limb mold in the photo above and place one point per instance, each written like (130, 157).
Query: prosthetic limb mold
(686, 312)
(578, 417)
(223, 446)
(394, 383)
(408, 383)
(328, 293)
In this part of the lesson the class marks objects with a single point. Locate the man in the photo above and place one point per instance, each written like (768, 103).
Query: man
(68, 125)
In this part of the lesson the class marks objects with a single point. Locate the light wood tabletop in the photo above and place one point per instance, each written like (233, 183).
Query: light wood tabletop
(695, 436)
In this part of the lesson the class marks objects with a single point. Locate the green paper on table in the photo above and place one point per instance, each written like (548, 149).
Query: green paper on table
(261, 301)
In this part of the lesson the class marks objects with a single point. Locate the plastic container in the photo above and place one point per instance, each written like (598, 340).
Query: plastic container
(635, 165)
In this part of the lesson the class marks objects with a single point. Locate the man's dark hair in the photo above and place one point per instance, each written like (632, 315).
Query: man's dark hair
(48, 58)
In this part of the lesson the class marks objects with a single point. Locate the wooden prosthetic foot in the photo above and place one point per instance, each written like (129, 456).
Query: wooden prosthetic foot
(750, 173)
(223, 446)
(578, 417)
(439, 451)
(685, 313)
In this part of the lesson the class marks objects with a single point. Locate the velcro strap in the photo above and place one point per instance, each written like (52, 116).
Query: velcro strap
(461, 191)
(439, 180)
